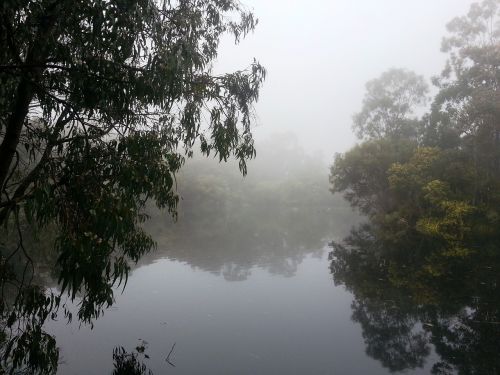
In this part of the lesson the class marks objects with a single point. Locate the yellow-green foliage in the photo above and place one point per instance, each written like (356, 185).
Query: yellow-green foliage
(450, 220)
(428, 201)
(452, 224)
(436, 191)
(416, 172)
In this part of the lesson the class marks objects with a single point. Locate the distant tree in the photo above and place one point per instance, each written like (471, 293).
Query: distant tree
(100, 101)
(388, 105)
(462, 127)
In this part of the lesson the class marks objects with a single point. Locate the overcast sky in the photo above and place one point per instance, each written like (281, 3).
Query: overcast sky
(320, 53)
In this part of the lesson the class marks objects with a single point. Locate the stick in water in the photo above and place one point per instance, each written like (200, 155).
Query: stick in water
(168, 356)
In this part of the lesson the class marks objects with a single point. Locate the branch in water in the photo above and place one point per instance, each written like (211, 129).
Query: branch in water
(168, 356)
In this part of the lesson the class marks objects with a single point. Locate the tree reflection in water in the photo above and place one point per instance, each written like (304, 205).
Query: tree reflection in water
(273, 219)
(410, 296)
(280, 213)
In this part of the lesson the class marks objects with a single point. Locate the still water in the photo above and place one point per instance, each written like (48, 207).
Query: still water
(264, 319)
(245, 283)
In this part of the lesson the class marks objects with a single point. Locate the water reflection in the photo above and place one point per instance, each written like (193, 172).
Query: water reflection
(26, 270)
(230, 227)
(280, 213)
(233, 247)
(410, 296)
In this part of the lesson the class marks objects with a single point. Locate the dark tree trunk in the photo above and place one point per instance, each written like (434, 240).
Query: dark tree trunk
(15, 124)
(35, 58)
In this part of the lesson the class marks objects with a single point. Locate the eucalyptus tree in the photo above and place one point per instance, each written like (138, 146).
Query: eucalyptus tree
(439, 231)
(389, 105)
(390, 131)
(470, 84)
(100, 102)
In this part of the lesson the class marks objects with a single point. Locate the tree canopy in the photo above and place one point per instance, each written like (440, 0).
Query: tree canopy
(424, 267)
(100, 102)
(440, 178)
(389, 102)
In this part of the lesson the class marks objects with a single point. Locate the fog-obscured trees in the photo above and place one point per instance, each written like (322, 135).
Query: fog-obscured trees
(273, 218)
(445, 181)
(389, 106)
(424, 268)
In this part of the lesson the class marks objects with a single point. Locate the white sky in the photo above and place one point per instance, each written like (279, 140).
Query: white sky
(320, 53)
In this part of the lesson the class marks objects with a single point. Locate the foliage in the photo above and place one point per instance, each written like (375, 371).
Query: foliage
(128, 363)
(389, 102)
(424, 268)
(445, 183)
(469, 85)
(100, 103)
(362, 172)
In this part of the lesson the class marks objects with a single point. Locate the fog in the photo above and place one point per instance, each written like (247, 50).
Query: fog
(131, 240)
(320, 54)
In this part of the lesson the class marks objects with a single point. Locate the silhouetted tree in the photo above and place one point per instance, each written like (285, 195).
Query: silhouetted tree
(99, 103)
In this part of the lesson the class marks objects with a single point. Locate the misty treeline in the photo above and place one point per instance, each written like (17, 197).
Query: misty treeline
(423, 268)
(280, 212)
(438, 174)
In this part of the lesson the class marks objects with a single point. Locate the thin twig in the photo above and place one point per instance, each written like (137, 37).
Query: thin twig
(168, 356)
(484, 322)
(27, 256)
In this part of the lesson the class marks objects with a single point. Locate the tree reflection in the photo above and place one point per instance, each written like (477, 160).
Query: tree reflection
(279, 214)
(272, 220)
(392, 335)
(410, 295)
(26, 270)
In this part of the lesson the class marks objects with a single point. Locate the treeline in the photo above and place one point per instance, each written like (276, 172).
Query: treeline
(272, 218)
(423, 269)
(435, 174)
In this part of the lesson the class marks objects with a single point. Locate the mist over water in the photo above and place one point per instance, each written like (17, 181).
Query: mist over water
(240, 281)
(280, 212)
(244, 281)
(359, 237)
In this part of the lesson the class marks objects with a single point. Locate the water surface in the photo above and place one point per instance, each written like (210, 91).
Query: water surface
(265, 324)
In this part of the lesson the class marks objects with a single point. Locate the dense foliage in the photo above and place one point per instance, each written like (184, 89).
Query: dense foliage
(100, 101)
(439, 177)
(424, 268)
